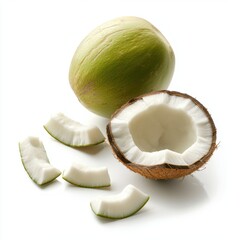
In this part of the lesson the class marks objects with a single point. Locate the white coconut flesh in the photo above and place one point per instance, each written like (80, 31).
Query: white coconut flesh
(85, 176)
(73, 133)
(36, 162)
(162, 128)
(121, 205)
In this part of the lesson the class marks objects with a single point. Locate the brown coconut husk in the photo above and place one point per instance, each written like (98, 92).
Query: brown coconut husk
(163, 171)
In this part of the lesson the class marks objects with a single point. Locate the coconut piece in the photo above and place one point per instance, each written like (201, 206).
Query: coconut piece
(73, 133)
(122, 205)
(162, 135)
(84, 176)
(35, 161)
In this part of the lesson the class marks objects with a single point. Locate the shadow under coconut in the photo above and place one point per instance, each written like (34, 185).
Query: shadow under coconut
(53, 184)
(93, 149)
(71, 186)
(177, 194)
(133, 217)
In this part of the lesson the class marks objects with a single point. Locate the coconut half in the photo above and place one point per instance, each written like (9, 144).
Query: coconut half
(162, 135)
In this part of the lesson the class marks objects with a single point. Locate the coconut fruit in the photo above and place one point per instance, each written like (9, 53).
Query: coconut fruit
(85, 176)
(119, 60)
(73, 133)
(35, 161)
(128, 202)
(162, 135)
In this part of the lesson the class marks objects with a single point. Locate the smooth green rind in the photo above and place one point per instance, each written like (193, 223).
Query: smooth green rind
(29, 174)
(131, 214)
(118, 61)
(83, 186)
(71, 145)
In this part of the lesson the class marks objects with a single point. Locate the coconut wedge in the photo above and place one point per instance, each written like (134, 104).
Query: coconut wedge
(162, 135)
(35, 161)
(73, 133)
(121, 205)
(84, 176)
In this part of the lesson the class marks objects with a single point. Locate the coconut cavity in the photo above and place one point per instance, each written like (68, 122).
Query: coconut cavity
(162, 135)
(161, 127)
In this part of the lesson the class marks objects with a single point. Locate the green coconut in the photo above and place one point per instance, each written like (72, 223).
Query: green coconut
(119, 60)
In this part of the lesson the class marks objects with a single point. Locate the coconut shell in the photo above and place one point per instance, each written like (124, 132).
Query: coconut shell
(163, 171)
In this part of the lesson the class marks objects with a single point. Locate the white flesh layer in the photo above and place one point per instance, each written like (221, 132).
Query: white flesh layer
(162, 129)
(73, 133)
(84, 176)
(35, 161)
(121, 205)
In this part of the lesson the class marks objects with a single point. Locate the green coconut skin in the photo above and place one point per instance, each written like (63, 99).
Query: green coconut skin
(120, 60)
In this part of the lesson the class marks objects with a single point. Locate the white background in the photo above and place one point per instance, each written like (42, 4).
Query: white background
(37, 40)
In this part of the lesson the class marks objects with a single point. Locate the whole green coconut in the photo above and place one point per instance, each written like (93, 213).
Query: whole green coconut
(119, 60)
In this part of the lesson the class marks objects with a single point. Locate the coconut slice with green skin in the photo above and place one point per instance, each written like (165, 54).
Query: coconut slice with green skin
(84, 176)
(121, 205)
(162, 135)
(35, 161)
(73, 133)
